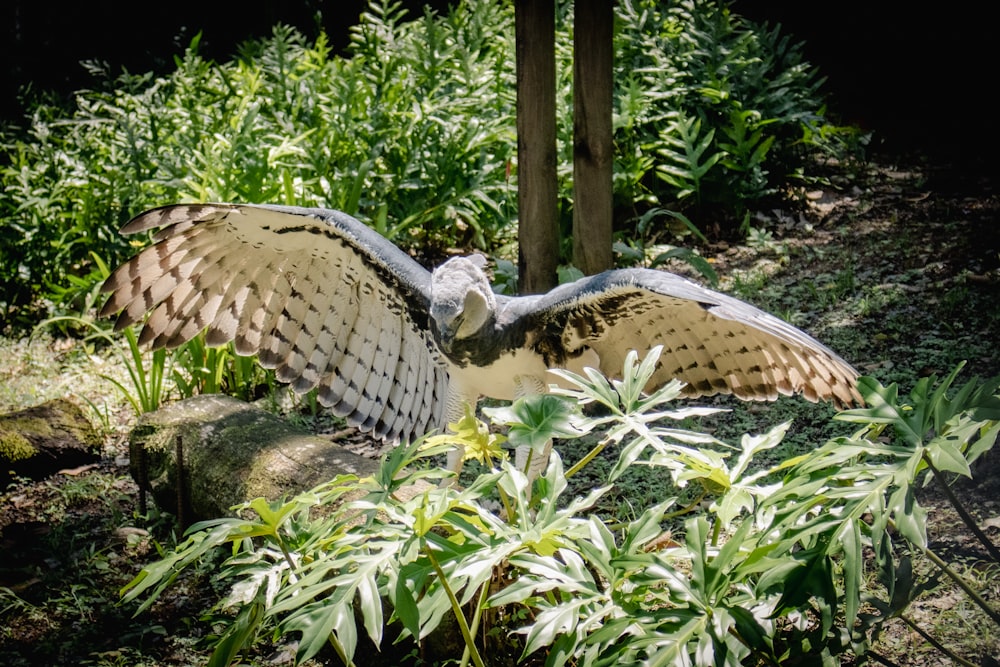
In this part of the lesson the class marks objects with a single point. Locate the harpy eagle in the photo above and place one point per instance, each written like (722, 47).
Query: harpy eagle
(398, 351)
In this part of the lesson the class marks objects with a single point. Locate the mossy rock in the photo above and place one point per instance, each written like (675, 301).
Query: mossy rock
(40, 440)
(229, 451)
(14, 446)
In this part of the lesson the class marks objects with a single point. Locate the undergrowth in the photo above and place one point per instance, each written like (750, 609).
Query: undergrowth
(750, 571)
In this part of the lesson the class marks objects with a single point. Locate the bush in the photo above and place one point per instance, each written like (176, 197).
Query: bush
(412, 131)
(721, 111)
(762, 571)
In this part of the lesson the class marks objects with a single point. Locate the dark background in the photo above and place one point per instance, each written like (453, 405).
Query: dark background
(922, 77)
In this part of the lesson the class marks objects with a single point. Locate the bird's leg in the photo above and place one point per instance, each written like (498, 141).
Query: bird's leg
(454, 410)
(455, 464)
(532, 465)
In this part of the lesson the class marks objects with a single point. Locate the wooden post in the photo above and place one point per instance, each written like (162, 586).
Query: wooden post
(593, 149)
(538, 224)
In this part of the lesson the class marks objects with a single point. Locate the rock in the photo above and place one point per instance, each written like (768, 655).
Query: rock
(230, 452)
(39, 441)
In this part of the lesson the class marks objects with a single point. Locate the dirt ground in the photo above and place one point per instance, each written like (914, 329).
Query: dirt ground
(898, 269)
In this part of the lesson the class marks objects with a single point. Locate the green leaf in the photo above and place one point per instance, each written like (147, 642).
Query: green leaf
(237, 636)
(947, 456)
(162, 573)
(987, 439)
(751, 445)
(909, 517)
(316, 621)
(345, 628)
(406, 607)
(647, 527)
(853, 571)
(751, 631)
(535, 420)
(698, 262)
(473, 436)
(370, 604)
(732, 504)
(811, 582)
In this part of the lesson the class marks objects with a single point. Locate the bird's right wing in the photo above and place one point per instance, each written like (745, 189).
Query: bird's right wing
(713, 342)
(317, 295)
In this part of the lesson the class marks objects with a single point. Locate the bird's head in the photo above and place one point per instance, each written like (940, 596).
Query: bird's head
(462, 302)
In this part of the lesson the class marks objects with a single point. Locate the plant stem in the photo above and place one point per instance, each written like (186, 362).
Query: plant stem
(292, 573)
(954, 576)
(687, 509)
(957, 504)
(341, 652)
(576, 467)
(505, 501)
(470, 643)
(484, 590)
(933, 642)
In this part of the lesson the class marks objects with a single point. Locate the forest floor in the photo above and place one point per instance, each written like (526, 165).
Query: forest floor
(897, 269)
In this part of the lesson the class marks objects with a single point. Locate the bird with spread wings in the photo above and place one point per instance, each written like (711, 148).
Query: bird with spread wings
(399, 351)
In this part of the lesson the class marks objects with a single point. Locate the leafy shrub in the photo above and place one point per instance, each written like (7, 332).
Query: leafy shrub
(723, 112)
(412, 131)
(761, 573)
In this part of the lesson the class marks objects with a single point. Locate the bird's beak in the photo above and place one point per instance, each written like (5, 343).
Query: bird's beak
(445, 337)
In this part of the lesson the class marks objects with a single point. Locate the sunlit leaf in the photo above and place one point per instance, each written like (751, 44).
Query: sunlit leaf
(534, 420)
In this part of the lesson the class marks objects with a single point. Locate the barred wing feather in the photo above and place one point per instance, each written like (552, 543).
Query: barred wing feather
(714, 343)
(315, 294)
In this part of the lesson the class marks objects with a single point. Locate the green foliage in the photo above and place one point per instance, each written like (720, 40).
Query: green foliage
(871, 483)
(200, 369)
(412, 131)
(147, 371)
(759, 572)
(685, 163)
(723, 112)
(634, 251)
(79, 614)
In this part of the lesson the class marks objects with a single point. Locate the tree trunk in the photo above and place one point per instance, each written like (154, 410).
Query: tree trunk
(538, 224)
(593, 151)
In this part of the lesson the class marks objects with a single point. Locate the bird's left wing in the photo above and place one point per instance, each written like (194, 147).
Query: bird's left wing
(713, 342)
(317, 295)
